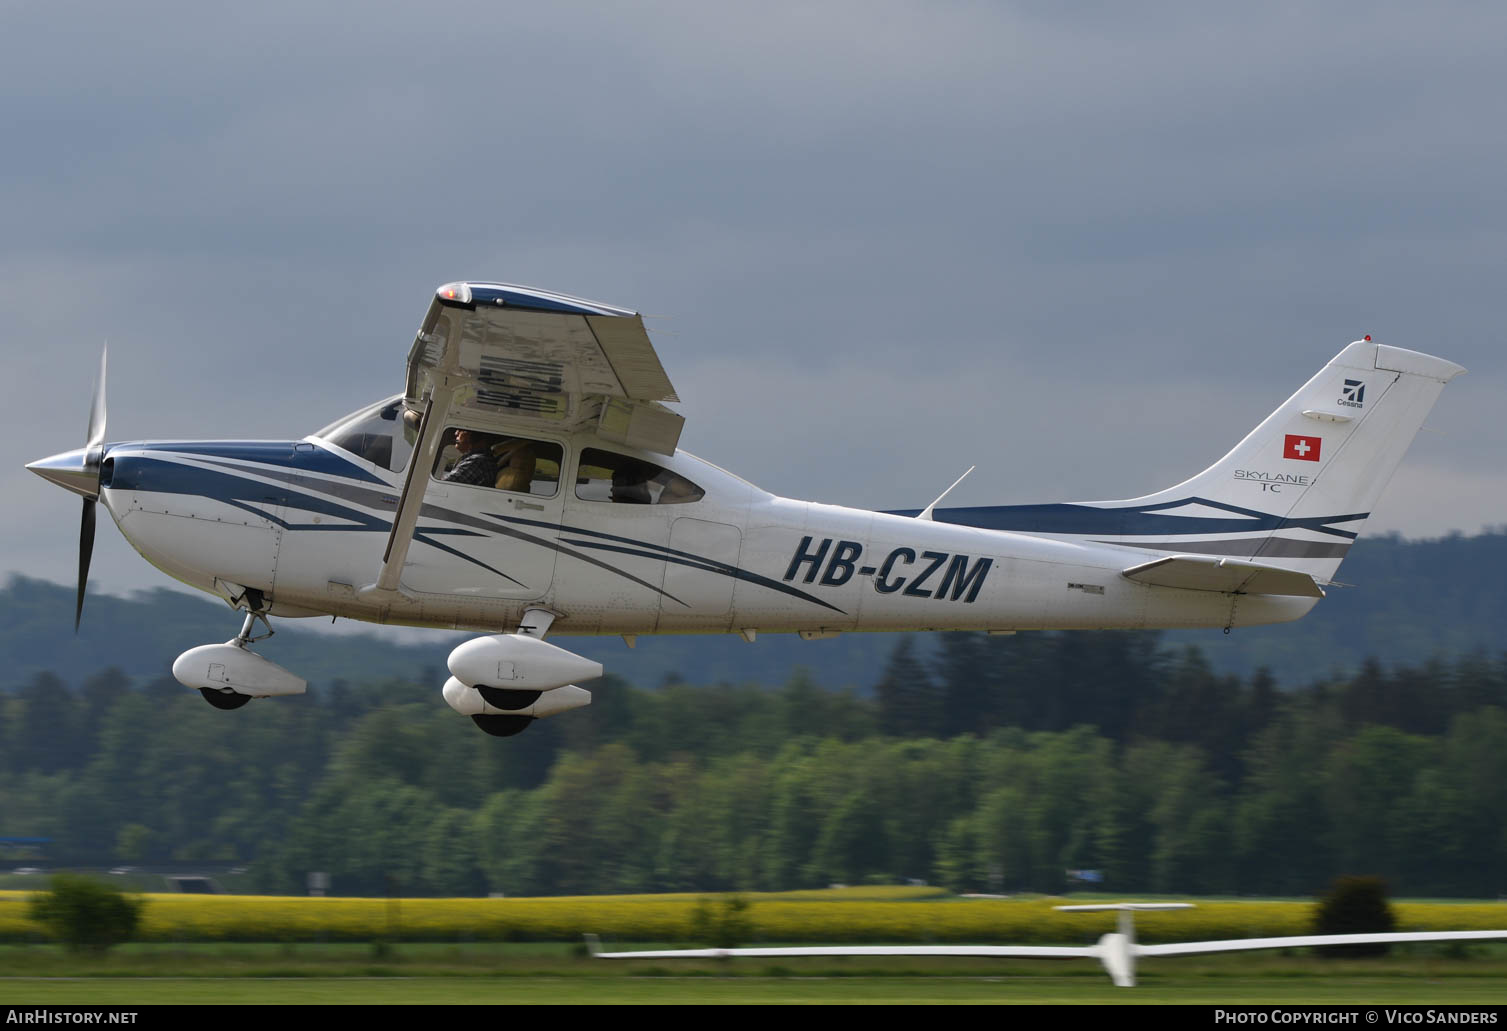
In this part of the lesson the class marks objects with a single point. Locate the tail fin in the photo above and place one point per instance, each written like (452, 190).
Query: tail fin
(1295, 492)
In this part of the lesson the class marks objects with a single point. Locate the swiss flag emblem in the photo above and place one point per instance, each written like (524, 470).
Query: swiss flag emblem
(1304, 449)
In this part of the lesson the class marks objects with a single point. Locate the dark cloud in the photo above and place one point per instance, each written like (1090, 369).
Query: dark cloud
(1044, 239)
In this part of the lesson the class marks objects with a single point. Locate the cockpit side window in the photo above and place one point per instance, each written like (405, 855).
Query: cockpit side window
(623, 480)
(377, 433)
(499, 461)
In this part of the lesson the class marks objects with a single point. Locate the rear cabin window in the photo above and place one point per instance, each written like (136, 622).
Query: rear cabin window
(623, 480)
(516, 464)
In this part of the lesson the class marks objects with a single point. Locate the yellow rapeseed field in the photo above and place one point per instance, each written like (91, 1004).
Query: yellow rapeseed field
(875, 915)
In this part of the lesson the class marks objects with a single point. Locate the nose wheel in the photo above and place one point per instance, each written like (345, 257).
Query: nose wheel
(229, 675)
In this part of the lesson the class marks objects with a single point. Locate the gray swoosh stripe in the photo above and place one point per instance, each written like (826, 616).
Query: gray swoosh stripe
(375, 499)
(334, 488)
(379, 499)
(1246, 547)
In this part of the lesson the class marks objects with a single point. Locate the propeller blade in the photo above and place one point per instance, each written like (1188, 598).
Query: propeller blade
(85, 552)
(97, 409)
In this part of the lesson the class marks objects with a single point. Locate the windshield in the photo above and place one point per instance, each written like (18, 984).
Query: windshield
(377, 433)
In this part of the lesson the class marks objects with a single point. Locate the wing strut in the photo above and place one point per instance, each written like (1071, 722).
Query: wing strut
(411, 501)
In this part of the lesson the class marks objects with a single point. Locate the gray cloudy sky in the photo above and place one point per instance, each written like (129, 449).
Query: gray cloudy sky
(1085, 247)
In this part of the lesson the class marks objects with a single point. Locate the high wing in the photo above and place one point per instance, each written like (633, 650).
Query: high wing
(495, 353)
(533, 357)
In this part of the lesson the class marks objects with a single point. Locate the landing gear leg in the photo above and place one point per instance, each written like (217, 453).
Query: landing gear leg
(256, 609)
(536, 622)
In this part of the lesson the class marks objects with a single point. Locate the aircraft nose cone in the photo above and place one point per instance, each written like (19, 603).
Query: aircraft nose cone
(68, 470)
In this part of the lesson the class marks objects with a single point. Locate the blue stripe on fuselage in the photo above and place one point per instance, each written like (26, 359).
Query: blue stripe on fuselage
(134, 472)
(285, 454)
(1130, 521)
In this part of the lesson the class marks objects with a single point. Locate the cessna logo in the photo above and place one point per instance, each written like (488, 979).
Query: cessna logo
(930, 574)
(1354, 394)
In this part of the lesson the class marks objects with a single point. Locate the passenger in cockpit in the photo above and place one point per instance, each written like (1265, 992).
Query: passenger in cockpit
(630, 485)
(516, 463)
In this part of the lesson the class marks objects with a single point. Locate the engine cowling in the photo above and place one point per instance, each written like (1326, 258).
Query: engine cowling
(518, 662)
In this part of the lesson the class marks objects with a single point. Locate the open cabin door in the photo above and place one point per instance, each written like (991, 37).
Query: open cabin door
(491, 518)
(517, 365)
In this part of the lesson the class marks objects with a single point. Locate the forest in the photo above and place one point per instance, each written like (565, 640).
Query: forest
(994, 763)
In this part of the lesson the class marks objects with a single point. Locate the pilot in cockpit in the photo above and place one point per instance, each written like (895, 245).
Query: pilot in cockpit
(477, 465)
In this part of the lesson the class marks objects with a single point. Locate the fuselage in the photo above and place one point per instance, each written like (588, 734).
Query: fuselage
(529, 481)
(305, 523)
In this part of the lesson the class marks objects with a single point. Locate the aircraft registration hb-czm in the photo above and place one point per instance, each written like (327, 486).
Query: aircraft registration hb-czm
(529, 481)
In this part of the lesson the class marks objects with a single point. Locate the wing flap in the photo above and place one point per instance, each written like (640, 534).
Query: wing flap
(517, 355)
(1224, 575)
(625, 344)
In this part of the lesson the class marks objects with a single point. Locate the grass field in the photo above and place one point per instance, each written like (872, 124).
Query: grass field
(584, 990)
(486, 974)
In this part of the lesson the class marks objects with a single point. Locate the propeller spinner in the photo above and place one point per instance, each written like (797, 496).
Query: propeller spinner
(78, 471)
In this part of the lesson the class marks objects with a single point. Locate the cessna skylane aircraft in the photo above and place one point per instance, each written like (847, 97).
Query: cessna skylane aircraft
(529, 481)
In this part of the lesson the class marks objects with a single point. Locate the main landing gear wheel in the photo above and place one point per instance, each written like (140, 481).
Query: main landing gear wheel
(503, 726)
(507, 698)
(224, 699)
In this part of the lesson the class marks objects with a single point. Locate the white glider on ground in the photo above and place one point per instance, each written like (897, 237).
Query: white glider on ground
(1117, 951)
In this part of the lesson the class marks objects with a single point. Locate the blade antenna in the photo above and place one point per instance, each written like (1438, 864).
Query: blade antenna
(926, 512)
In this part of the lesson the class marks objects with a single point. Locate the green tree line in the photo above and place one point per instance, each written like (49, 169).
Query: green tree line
(1000, 764)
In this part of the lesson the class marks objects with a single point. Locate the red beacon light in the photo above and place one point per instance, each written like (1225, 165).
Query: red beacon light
(1368, 338)
(460, 293)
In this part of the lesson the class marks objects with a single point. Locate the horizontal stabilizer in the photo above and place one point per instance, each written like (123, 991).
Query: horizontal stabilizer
(1225, 575)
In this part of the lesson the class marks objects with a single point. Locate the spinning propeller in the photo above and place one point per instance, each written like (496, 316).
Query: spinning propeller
(78, 471)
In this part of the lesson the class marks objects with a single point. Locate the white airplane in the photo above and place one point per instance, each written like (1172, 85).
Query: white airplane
(529, 480)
